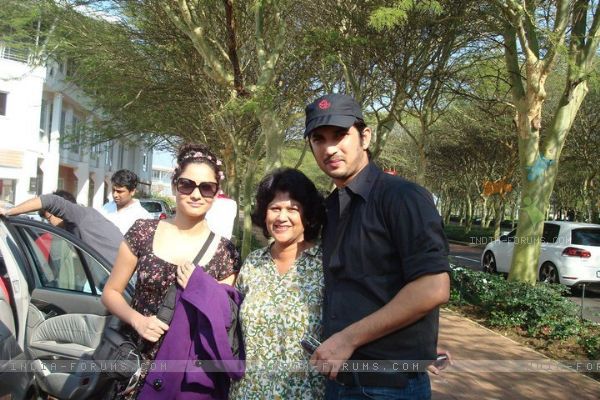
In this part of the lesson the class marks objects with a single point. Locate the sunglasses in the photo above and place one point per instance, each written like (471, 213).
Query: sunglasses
(187, 187)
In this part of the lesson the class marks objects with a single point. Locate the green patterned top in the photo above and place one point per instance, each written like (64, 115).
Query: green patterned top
(278, 310)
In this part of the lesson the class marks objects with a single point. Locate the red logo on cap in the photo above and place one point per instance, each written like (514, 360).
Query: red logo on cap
(324, 104)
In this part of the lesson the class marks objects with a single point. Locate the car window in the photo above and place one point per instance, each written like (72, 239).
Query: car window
(586, 236)
(60, 263)
(550, 234)
(152, 206)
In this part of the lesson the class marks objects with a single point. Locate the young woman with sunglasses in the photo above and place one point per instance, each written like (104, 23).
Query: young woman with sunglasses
(158, 249)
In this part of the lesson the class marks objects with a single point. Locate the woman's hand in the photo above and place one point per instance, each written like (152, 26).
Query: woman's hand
(184, 272)
(150, 328)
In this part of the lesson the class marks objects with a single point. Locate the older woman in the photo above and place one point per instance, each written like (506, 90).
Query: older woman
(283, 288)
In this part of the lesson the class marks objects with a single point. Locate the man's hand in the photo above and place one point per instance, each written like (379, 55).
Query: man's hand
(184, 272)
(329, 357)
(3, 211)
(150, 328)
(437, 369)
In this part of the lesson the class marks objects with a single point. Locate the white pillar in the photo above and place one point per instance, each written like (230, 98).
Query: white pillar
(98, 197)
(82, 172)
(52, 158)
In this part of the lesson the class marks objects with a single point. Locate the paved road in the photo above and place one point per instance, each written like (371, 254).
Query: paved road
(470, 257)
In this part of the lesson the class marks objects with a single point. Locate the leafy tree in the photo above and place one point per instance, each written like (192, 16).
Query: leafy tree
(535, 34)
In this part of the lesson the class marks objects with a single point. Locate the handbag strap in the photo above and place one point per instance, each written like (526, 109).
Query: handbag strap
(167, 308)
(207, 243)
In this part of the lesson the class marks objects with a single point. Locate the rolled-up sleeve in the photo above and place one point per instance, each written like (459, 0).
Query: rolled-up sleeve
(417, 231)
(56, 205)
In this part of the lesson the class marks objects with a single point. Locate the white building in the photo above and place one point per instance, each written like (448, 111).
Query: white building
(162, 173)
(37, 109)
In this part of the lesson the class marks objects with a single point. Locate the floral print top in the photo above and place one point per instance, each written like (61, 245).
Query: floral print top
(278, 310)
(155, 275)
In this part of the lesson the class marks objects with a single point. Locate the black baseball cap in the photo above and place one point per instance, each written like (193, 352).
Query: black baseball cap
(332, 109)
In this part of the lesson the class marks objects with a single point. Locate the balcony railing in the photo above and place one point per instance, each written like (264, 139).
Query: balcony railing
(14, 54)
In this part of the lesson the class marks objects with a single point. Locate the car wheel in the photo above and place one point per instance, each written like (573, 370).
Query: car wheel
(548, 273)
(489, 263)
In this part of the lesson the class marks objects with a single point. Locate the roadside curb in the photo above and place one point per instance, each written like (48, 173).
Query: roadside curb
(479, 246)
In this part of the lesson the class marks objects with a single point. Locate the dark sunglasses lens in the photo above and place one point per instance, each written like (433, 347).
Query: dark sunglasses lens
(208, 189)
(185, 186)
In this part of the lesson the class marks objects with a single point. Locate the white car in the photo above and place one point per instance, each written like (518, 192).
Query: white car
(570, 253)
(158, 209)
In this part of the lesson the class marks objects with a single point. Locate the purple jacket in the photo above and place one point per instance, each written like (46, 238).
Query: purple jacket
(197, 335)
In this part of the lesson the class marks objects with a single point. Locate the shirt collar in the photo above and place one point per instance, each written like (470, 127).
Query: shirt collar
(362, 184)
(313, 251)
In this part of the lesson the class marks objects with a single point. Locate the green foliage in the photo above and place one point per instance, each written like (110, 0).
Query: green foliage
(590, 341)
(390, 17)
(166, 199)
(539, 310)
(477, 234)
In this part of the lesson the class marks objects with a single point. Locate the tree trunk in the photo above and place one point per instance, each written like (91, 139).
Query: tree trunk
(270, 126)
(384, 127)
(498, 216)
(538, 177)
(248, 191)
(484, 201)
(469, 216)
(513, 214)
(461, 214)
(422, 170)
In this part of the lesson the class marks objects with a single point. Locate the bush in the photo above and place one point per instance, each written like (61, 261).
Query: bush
(590, 341)
(457, 232)
(540, 310)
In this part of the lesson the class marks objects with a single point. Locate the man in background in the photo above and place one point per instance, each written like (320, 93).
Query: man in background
(124, 210)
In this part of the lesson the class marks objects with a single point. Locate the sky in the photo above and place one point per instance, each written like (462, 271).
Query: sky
(163, 159)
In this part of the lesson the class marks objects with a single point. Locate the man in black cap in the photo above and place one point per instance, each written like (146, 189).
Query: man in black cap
(385, 258)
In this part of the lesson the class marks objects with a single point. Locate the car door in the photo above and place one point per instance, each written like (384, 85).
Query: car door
(549, 248)
(64, 316)
(69, 276)
(503, 250)
(14, 300)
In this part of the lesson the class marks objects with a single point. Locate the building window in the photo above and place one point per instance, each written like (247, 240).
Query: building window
(145, 162)
(7, 190)
(3, 98)
(108, 154)
(75, 134)
(50, 122)
(63, 118)
(43, 111)
(121, 155)
(61, 130)
(155, 175)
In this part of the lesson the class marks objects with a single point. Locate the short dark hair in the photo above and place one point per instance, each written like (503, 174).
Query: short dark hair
(125, 178)
(195, 153)
(65, 195)
(300, 189)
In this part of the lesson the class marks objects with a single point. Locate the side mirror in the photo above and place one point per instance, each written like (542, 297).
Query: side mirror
(504, 238)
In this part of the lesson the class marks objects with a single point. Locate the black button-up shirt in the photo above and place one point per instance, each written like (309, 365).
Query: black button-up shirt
(393, 235)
